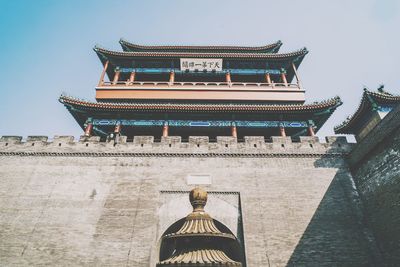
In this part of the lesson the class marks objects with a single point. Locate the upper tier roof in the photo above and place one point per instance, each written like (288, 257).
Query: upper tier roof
(369, 101)
(156, 54)
(270, 48)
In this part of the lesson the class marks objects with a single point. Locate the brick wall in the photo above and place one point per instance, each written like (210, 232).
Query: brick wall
(93, 203)
(376, 169)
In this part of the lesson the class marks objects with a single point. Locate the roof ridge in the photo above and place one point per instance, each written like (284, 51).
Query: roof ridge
(277, 43)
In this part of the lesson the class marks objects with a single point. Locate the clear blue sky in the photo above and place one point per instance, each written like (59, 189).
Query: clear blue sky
(46, 47)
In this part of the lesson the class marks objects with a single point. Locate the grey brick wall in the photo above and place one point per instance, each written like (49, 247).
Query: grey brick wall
(376, 168)
(99, 204)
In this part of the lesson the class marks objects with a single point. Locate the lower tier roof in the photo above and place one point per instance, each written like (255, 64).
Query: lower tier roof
(332, 103)
(315, 113)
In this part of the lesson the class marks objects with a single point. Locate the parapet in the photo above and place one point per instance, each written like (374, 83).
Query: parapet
(174, 145)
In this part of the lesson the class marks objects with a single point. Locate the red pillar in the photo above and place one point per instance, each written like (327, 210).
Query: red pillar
(132, 77)
(268, 78)
(311, 130)
(116, 77)
(88, 129)
(117, 129)
(228, 77)
(103, 74)
(234, 131)
(171, 77)
(282, 131)
(165, 130)
(284, 80)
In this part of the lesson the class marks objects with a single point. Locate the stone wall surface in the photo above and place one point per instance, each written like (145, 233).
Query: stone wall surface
(376, 168)
(91, 203)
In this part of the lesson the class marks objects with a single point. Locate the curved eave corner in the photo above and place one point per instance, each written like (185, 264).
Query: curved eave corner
(368, 99)
(327, 112)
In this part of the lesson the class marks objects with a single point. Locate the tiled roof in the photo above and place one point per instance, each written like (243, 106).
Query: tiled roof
(377, 97)
(127, 46)
(282, 56)
(214, 107)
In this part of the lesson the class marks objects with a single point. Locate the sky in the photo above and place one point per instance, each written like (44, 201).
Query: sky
(46, 47)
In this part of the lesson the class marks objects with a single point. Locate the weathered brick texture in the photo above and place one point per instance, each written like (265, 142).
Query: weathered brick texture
(376, 168)
(88, 203)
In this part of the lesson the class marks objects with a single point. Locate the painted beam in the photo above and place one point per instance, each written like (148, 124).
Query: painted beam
(202, 123)
(178, 71)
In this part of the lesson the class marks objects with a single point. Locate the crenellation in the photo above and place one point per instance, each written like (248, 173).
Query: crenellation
(63, 139)
(282, 143)
(89, 139)
(171, 141)
(37, 138)
(198, 141)
(33, 140)
(10, 140)
(121, 139)
(336, 140)
(310, 142)
(142, 141)
(255, 141)
(224, 144)
(309, 139)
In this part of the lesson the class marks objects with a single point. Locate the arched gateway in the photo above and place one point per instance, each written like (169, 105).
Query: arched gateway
(199, 242)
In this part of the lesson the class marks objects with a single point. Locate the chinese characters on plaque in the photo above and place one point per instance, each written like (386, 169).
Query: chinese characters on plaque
(201, 64)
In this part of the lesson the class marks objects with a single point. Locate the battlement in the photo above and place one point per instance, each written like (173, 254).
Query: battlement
(195, 145)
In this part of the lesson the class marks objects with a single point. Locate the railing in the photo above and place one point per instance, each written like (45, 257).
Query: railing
(196, 84)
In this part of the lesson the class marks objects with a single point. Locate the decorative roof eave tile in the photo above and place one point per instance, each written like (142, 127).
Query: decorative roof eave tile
(283, 56)
(332, 103)
(346, 127)
(270, 48)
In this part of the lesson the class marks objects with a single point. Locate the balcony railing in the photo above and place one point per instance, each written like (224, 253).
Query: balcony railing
(210, 85)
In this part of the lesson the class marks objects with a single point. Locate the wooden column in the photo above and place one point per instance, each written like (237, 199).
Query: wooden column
(228, 77)
(88, 129)
(165, 130)
(284, 80)
(311, 130)
(297, 76)
(234, 130)
(116, 77)
(282, 131)
(132, 77)
(268, 78)
(103, 74)
(171, 77)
